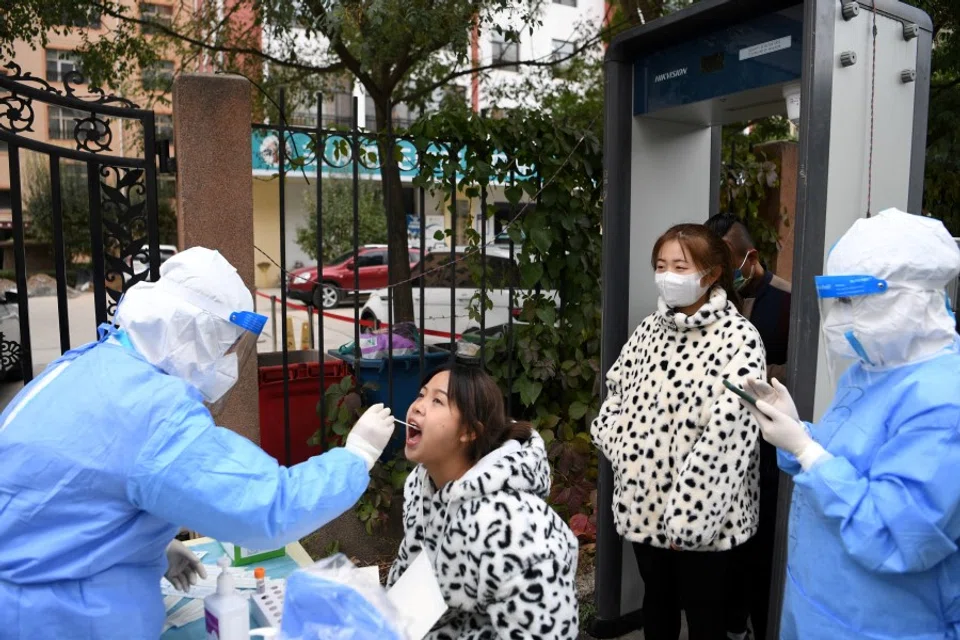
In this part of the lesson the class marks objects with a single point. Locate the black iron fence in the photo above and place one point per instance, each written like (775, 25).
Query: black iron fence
(465, 271)
(121, 190)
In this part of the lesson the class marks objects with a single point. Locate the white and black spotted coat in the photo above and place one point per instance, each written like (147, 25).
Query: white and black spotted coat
(505, 561)
(684, 451)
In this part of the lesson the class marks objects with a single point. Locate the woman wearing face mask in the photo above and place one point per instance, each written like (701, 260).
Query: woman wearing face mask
(474, 506)
(684, 452)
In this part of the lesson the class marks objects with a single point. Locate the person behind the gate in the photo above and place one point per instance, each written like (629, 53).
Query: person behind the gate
(114, 447)
(684, 452)
(474, 510)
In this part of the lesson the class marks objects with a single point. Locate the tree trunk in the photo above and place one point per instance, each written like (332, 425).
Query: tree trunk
(399, 253)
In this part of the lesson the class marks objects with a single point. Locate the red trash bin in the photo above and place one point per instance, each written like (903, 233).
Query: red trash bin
(304, 387)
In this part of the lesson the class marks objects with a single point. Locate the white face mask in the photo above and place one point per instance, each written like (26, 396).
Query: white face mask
(680, 290)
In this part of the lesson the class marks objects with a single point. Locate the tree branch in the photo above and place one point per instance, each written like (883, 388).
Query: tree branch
(544, 61)
(347, 58)
(249, 51)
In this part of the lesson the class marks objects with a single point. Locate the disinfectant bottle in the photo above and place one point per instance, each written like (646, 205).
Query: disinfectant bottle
(227, 613)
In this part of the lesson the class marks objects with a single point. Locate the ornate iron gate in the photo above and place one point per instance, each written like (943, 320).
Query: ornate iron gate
(121, 189)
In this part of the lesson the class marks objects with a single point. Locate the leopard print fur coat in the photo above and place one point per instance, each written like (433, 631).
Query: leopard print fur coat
(505, 561)
(685, 453)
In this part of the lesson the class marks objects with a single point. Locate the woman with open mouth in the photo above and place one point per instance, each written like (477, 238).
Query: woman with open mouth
(505, 562)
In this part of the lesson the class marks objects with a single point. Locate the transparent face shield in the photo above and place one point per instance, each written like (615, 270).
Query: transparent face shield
(842, 303)
(236, 357)
(217, 382)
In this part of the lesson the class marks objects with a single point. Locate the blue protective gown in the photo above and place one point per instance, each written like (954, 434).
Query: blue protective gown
(99, 471)
(874, 529)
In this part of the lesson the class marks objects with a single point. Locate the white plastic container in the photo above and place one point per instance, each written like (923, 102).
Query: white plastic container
(227, 612)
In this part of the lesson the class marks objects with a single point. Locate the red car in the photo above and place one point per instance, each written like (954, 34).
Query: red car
(337, 278)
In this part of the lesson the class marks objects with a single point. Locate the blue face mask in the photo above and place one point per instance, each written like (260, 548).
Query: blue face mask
(739, 280)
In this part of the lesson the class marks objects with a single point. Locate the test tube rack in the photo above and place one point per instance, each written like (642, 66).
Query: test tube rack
(268, 606)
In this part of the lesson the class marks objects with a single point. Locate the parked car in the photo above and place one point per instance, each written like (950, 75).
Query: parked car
(337, 277)
(504, 238)
(437, 283)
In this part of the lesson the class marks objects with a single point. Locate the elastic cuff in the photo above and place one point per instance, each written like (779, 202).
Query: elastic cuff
(811, 455)
(365, 451)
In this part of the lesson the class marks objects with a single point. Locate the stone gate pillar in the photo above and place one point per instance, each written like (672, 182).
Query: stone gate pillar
(212, 117)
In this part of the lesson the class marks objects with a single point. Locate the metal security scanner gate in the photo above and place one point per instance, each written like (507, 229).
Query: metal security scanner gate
(860, 72)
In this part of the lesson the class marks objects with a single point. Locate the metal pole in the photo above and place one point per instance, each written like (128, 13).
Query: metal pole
(96, 242)
(483, 273)
(60, 255)
(20, 263)
(152, 207)
(423, 259)
(320, 153)
(618, 72)
(355, 156)
(387, 185)
(283, 274)
(510, 352)
(453, 255)
(273, 319)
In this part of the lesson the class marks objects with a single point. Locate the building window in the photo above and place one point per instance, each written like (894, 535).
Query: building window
(372, 259)
(160, 14)
(62, 122)
(404, 116)
(338, 110)
(86, 20)
(371, 114)
(158, 77)
(303, 118)
(562, 52)
(505, 52)
(450, 95)
(566, 3)
(6, 201)
(60, 63)
(73, 172)
(164, 125)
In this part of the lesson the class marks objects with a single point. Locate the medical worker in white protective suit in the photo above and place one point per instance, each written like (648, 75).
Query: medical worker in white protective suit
(109, 452)
(875, 518)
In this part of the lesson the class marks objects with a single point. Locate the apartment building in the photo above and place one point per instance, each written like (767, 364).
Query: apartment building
(148, 88)
(565, 23)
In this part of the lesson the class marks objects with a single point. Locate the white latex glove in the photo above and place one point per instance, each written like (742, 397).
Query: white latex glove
(183, 567)
(780, 423)
(774, 394)
(370, 436)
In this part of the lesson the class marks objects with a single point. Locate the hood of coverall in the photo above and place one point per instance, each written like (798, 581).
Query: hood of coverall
(178, 336)
(911, 321)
